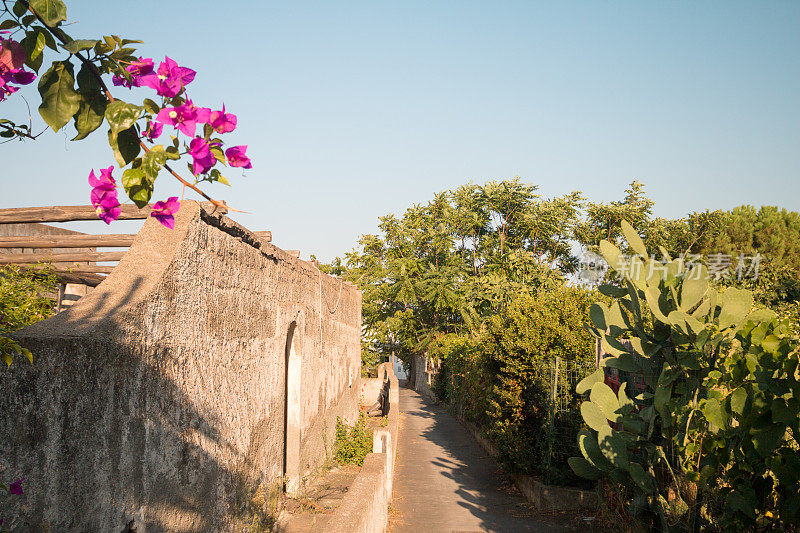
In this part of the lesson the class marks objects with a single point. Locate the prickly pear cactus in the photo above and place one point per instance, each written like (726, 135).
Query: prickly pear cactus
(714, 407)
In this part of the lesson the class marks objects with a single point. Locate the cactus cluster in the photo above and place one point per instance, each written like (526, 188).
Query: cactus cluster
(694, 349)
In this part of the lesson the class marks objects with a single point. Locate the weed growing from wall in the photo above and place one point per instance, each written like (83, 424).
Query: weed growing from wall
(352, 443)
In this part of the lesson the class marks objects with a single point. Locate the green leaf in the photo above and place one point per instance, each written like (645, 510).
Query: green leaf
(597, 314)
(702, 309)
(150, 106)
(90, 115)
(736, 501)
(783, 413)
(60, 101)
(736, 304)
(625, 361)
(633, 238)
(612, 346)
(223, 180)
(593, 416)
(652, 295)
(590, 449)
(88, 82)
(19, 8)
(34, 43)
(138, 185)
(765, 440)
(586, 383)
(8, 24)
(219, 155)
(172, 153)
(685, 323)
(642, 478)
(739, 401)
(52, 12)
(125, 145)
(584, 468)
(694, 287)
(79, 45)
(761, 315)
(611, 254)
(603, 397)
(624, 401)
(121, 115)
(612, 290)
(770, 343)
(102, 48)
(49, 40)
(661, 398)
(715, 413)
(613, 447)
(153, 160)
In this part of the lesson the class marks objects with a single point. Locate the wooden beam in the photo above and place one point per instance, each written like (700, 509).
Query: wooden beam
(92, 280)
(78, 257)
(77, 269)
(66, 241)
(65, 213)
(266, 235)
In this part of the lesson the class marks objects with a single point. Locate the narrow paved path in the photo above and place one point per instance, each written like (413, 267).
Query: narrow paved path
(445, 482)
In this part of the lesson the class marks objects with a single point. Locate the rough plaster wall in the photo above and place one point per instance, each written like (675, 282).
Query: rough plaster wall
(160, 391)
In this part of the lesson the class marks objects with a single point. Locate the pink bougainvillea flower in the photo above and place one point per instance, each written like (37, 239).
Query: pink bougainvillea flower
(22, 77)
(221, 121)
(12, 55)
(104, 195)
(201, 154)
(12, 60)
(141, 74)
(170, 78)
(153, 131)
(164, 212)
(16, 487)
(185, 117)
(237, 158)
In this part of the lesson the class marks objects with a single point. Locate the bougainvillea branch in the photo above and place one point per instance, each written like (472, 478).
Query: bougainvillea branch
(86, 99)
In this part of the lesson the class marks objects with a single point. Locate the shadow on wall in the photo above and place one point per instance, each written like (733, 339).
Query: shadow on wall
(105, 440)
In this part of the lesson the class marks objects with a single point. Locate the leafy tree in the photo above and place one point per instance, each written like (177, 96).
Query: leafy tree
(446, 266)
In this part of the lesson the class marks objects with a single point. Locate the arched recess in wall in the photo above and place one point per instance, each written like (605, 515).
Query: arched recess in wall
(291, 418)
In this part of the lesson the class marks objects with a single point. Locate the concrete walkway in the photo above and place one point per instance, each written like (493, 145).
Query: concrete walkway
(445, 482)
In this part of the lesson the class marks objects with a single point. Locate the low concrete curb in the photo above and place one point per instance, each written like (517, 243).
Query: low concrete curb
(543, 497)
(366, 506)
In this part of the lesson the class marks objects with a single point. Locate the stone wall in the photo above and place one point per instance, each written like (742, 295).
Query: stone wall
(365, 507)
(158, 401)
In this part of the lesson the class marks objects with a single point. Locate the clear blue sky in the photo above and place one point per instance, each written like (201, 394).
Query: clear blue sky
(354, 110)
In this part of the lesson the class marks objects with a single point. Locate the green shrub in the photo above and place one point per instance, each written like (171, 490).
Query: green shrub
(501, 378)
(711, 442)
(25, 297)
(352, 443)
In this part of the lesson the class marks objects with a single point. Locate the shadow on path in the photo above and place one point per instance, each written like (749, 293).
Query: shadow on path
(445, 482)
